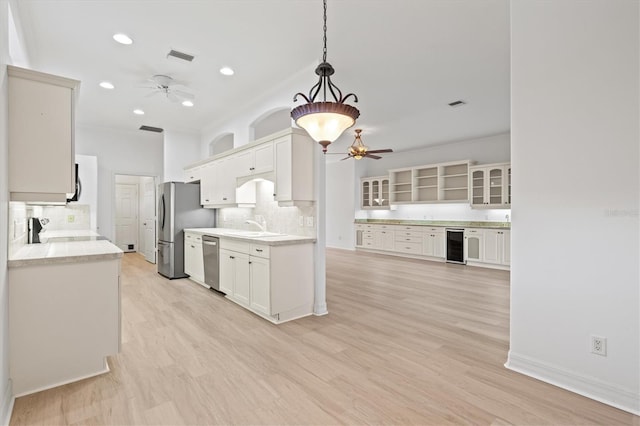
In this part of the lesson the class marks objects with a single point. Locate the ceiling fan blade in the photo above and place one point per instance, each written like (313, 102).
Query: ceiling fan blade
(183, 95)
(346, 158)
(374, 157)
(172, 97)
(153, 93)
(378, 151)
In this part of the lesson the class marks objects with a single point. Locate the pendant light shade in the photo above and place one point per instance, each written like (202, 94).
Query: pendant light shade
(325, 120)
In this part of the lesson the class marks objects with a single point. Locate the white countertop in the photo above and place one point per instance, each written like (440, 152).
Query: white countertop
(252, 237)
(62, 233)
(65, 252)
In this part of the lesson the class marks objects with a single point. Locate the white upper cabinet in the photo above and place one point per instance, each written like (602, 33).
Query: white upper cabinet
(258, 159)
(294, 169)
(434, 183)
(375, 193)
(490, 186)
(286, 157)
(41, 136)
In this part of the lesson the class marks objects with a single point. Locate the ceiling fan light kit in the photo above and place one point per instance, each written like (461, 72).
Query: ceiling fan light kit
(325, 120)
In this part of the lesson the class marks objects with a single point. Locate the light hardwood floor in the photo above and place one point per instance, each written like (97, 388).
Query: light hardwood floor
(405, 342)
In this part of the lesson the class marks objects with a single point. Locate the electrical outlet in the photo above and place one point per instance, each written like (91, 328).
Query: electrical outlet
(300, 220)
(309, 221)
(599, 345)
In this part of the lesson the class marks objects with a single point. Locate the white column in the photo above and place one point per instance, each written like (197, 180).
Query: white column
(320, 299)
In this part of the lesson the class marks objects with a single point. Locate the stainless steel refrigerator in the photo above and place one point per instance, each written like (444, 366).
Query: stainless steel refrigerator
(178, 208)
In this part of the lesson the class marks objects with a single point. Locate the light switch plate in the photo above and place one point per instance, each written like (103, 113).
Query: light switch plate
(309, 221)
(300, 220)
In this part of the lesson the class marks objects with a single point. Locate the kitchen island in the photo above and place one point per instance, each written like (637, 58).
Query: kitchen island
(64, 310)
(271, 275)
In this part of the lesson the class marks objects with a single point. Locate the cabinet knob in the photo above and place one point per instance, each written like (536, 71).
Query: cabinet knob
(259, 250)
(223, 199)
(231, 257)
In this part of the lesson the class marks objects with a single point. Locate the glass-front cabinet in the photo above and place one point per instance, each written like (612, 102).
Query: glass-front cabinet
(375, 193)
(490, 186)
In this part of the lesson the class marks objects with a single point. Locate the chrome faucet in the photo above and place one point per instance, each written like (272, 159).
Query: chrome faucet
(262, 227)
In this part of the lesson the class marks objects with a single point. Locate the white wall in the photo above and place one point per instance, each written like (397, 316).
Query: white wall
(575, 157)
(489, 149)
(119, 152)
(5, 385)
(180, 149)
(341, 203)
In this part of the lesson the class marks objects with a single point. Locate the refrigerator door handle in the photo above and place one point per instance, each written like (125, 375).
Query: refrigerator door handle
(163, 212)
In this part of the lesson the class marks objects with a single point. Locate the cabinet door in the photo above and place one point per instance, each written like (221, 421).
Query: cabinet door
(493, 243)
(506, 252)
(208, 183)
(260, 285)
(188, 257)
(197, 262)
(284, 164)
(263, 158)
(226, 179)
(41, 136)
(473, 244)
(243, 163)
(227, 271)
(438, 245)
(366, 194)
(477, 187)
(386, 239)
(384, 192)
(495, 186)
(241, 290)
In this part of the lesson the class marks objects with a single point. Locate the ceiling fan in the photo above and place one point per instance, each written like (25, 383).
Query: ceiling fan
(169, 88)
(358, 150)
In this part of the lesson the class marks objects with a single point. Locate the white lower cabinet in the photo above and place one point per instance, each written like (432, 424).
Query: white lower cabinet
(482, 246)
(193, 260)
(275, 282)
(497, 246)
(260, 290)
(434, 242)
(474, 245)
(234, 275)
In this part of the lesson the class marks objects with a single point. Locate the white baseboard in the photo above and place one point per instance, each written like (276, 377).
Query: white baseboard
(7, 405)
(590, 387)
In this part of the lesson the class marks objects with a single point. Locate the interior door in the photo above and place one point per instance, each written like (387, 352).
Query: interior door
(126, 217)
(148, 220)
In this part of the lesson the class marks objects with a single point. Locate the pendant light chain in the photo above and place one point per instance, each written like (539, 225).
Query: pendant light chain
(324, 39)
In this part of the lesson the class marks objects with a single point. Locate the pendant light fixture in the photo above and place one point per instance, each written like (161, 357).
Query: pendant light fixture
(325, 120)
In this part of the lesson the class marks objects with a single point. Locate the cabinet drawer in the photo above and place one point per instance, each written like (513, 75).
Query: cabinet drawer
(408, 239)
(360, 226)
(259, 250)
(432, 230)
(408, 228)
(400, 235)
(408, 247)
(232, 245)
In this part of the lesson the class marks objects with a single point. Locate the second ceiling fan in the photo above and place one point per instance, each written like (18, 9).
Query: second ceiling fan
(358, 150)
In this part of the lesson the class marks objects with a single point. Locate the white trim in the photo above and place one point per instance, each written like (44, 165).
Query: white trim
(7, 405)
(591, 387)
(66, 382)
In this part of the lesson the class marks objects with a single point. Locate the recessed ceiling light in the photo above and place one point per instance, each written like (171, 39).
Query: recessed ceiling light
(138, 112)
(226, 71)
(187, 103)
(107, 85)
(122, 38)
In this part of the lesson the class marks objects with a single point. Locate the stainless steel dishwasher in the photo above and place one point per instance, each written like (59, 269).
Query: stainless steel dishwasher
(211, 255)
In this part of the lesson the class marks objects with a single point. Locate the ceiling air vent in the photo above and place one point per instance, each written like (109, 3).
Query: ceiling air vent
(151, 129)
(180, 55)
(457, 103)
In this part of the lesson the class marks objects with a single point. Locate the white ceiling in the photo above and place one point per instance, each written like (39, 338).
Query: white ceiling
(405, 59)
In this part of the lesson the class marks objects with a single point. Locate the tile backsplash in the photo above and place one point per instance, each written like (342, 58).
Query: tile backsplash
(285, 220)
(71, 216)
